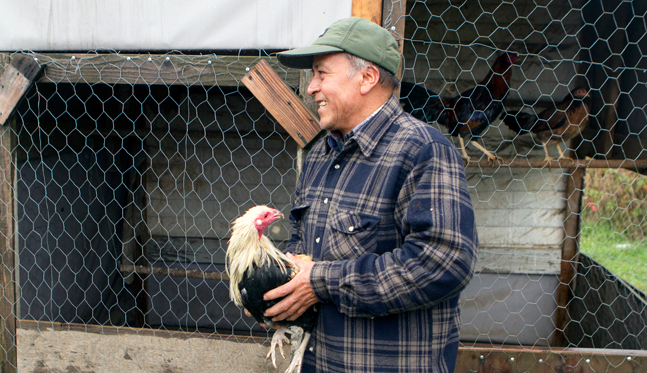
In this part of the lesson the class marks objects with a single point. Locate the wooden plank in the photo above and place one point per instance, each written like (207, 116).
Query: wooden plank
(543, 199)
(7, 253)
(511, 236)
(154, 69)
(487, 359)
(518, 217)
(519, 259)
(176, 272)
(106, 330)
(15, 82)
(282, 103)
(486, 182)
(520, 162)
(368, 9)
(569, 251)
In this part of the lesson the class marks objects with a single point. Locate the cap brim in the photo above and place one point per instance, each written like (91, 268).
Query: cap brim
(301, 58)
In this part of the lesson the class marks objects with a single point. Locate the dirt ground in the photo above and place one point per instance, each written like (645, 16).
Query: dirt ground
(43, 348)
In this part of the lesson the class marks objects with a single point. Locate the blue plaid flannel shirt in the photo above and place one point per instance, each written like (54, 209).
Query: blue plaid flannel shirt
(386, 215)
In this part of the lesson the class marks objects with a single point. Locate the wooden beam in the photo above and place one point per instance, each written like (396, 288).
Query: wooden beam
(108, 330)
(574, 189)
(176, 272)
(7, 249)
(545, 360)
(284, 105)
(520, 162)
(368, 9)
(15, 82)
(153, 69)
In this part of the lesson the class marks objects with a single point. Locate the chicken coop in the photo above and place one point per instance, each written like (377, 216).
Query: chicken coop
(129, 144)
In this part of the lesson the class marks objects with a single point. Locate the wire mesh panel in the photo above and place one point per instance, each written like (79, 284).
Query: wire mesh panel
(130, 169)
(119, 177)
(510, 83)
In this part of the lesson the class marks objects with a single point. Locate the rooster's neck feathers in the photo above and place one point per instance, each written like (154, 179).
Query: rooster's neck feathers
(246, 252)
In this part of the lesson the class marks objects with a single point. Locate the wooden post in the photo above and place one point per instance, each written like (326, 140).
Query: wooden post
(7, 252)
(369, 9)
(393, 19)
(570, 249)
(15, 81)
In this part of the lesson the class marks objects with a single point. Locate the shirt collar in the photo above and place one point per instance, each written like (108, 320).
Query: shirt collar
(370, 130)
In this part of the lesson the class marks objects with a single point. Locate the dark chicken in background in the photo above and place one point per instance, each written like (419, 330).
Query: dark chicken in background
(255, 266)
(468, 114)
(556, 123)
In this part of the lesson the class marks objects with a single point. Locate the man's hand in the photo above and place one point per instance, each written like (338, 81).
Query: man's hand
(275, 326)
(298, 294)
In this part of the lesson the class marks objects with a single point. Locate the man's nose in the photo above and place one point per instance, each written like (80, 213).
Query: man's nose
(313, 87)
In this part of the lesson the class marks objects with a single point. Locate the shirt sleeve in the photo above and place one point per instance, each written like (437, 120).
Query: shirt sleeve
(437, 258)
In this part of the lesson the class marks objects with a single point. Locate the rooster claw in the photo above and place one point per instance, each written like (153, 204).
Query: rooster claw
(494, 159)
(278, 338)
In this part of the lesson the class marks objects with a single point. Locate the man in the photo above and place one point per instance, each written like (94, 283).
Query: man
(382, 207)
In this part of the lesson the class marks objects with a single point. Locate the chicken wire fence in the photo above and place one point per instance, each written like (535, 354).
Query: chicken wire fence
(130, 169)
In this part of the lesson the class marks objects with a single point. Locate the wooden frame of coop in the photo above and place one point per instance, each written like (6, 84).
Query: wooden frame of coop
(555, 257)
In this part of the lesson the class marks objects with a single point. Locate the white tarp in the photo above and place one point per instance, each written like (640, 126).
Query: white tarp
(125, 25)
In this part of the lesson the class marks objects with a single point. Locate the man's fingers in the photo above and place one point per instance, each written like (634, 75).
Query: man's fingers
(280, 291)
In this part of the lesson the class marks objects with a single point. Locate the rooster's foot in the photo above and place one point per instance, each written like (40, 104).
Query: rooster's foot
(278, 338)
(494, 159)
(297, 360)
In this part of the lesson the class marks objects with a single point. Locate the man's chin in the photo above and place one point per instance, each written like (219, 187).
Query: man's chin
(326, 126)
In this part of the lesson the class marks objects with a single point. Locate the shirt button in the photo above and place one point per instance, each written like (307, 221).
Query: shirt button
(326, 200)
(337, 167)
(317, 239)
(312, 349)
(351, 228)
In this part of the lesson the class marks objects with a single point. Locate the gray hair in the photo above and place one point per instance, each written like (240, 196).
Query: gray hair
(387, 79)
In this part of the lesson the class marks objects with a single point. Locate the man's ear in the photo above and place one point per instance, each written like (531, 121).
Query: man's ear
(370, 78)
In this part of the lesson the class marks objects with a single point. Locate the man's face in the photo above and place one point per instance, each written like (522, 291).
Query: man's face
(337, 94)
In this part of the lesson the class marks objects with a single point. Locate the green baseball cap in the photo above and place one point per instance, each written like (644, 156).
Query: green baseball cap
(357, 36)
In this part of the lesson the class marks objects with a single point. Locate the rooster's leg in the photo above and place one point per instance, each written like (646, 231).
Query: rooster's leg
(561, 154)
(465, 156)
(297, 359)
(277, 341)
(548, 158)
(491, 157)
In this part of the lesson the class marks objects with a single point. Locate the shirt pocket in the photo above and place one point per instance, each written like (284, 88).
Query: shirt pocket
(298, 212)
(351, 235)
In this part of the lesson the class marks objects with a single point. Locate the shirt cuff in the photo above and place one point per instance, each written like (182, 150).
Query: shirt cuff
(324, 279)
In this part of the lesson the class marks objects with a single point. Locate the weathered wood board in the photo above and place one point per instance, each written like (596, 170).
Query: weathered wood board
(206, 70)
(519, 259)
(14, 83)
(518, 206)
(486, 359)
(286, 107)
